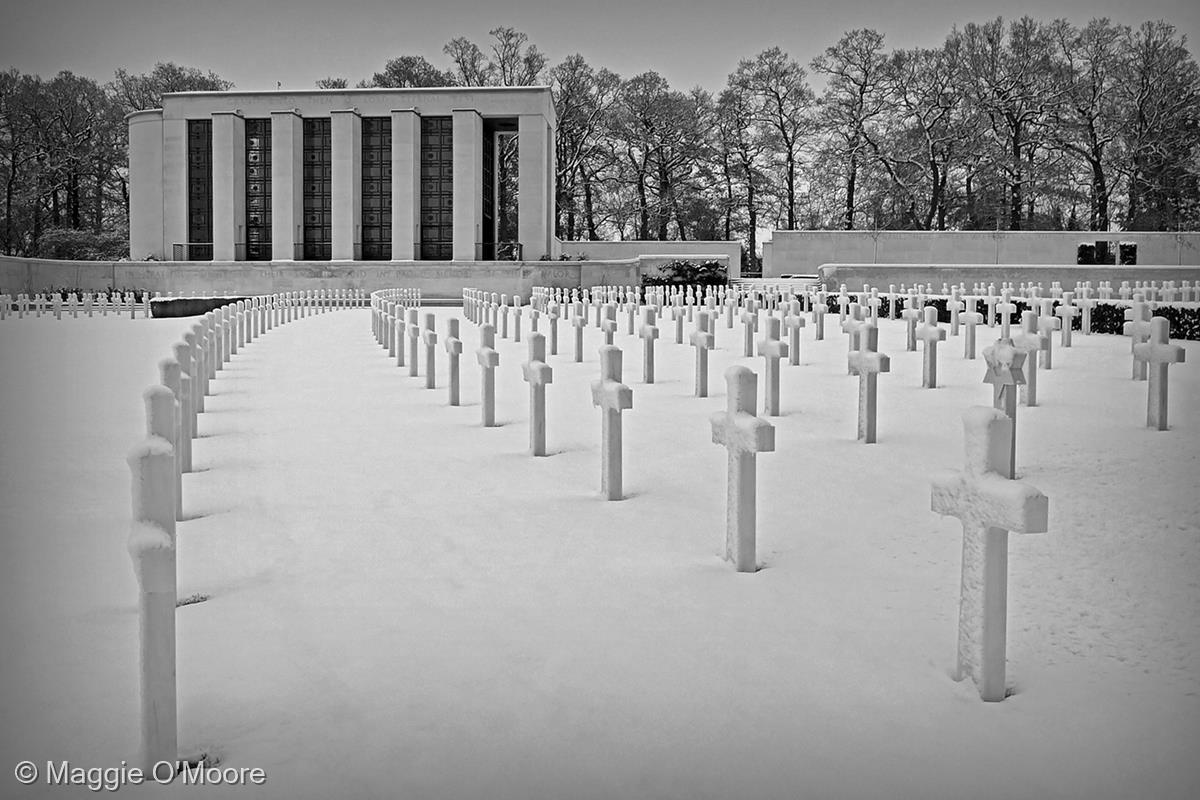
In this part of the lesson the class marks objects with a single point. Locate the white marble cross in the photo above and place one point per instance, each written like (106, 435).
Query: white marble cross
(772, 350)
(794, 321)
(911, 315)
(744, 436)
(648, 333)
(537, 374)
(187, 399)
(1067, 312)
(454, 348)
(1158, 354)
(1005, 373)
(552, 314)
(1047, 323)
(867, 363)
(990, 300)
(873, 302)
(609, 324)
(488, 359)
(1137, 327)
(1085, 305)
(579, 322)
(169, 376)
(930, 333)
(678, 316)
(1030, 341)
(749, 319)
(398, 335)
(413, 330)
(852, 326)
(818, 315)
(151, 545)
(199, 372)
(990, 505)
(430, 337)
(703, 339)
(516, 319)
(970, 319)
(1006, 309)
(612, 397)
(955, 307)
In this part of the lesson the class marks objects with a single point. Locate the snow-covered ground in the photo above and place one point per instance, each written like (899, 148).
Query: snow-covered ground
(404, 604)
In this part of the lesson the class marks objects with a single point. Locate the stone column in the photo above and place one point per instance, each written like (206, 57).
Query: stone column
(534, 197)
(229, 185)
(287, 184)
(146, 185)
(468, 183)
(175, 186)
(346, 186)
(406, 184)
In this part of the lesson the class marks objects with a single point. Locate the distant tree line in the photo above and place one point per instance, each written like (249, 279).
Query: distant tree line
(1021, 125)
(64, 157)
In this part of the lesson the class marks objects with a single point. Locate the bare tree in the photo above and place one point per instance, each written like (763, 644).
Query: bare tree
(583, 99)
(408, 71)
(1086, 123)
(1011, 83)
(1160, 91)
(854, 69)
(783, 101)
(139, 92)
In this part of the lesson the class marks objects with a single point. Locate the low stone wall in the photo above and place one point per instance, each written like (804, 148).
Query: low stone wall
(856, 276)
(433, 278)
(728, 253)
(801, 252)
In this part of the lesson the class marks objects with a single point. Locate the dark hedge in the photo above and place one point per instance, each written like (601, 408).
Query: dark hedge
(1107, 317)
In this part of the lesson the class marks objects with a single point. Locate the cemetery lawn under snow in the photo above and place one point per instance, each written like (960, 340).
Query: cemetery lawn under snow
(404, 604)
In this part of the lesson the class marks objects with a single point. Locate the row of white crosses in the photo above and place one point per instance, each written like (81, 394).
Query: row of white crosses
(991, 503)
(22, 305)
(961, 305)
(1035, 337)
(986, 496)
(89, 303)
(322, 298)
(1153, 353)
(609, 393)
(157, 466)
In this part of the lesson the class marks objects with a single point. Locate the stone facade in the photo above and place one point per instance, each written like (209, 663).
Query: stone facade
(168, 204)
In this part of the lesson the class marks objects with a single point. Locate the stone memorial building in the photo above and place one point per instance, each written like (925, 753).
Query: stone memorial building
(343, 175)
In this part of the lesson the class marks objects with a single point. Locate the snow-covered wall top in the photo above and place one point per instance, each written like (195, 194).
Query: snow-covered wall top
(434, 279)
(802, 252)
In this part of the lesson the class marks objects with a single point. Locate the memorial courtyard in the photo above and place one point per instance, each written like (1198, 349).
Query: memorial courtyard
(387, 599)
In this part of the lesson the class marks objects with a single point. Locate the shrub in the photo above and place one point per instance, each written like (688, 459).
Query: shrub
(1085, 253)
(113, 295)
(1104, 253)
(685, 273)
(78, 245)
(1128, 252)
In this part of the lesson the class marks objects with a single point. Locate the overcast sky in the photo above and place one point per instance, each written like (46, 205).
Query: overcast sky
(256, 43)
